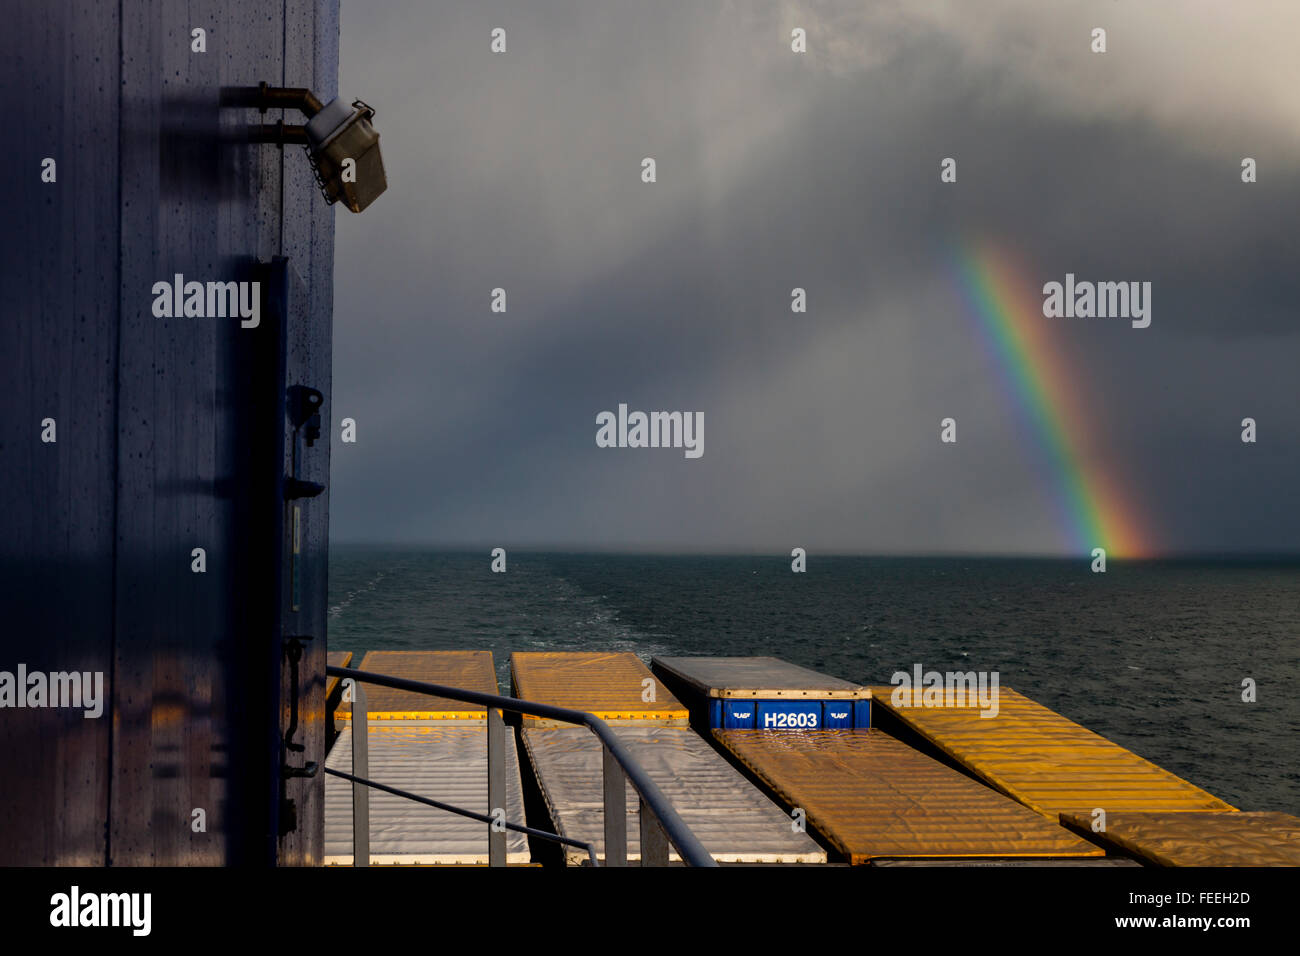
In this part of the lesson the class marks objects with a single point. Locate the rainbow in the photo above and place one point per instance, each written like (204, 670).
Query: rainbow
(1090, 497)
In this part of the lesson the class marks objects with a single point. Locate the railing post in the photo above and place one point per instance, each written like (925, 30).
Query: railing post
(496, 741)
(615, 810)
(360, 768)
(654, 841)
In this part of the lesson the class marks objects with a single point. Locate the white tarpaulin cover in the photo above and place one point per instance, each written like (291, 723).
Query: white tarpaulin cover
(735, 822)
(442, 760)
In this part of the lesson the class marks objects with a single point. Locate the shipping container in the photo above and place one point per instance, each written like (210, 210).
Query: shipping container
(1177, 838)
(431, 746)
(730, 816)
(444, 760)
(873, 797)
(1044, 760)
(763, 693)
(616, 687)
(734, 820)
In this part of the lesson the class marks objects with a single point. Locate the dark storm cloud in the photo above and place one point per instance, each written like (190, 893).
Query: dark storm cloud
(775, 171)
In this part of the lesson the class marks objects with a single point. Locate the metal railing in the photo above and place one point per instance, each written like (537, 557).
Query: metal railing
(660, 823)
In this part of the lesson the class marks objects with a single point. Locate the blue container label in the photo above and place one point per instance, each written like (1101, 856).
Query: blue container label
(789, 715)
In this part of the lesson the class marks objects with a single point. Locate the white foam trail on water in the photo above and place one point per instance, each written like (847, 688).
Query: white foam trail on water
(370, 585)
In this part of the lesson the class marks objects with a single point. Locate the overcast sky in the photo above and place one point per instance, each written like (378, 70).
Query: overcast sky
(522, 170)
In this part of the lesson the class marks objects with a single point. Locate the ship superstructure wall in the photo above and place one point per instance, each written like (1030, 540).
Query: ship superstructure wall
(144, 535)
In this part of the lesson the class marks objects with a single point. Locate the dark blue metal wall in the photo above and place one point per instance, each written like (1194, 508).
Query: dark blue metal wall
(167, 431)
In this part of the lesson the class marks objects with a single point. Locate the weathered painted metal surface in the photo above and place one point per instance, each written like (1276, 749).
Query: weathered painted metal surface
(154, 416)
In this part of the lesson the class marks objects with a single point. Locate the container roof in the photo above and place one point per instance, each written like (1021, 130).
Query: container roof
(1201, 839)
(613, 686)
(757, 677)
(1046, 761)
(467, 670)
(873, 797)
